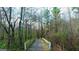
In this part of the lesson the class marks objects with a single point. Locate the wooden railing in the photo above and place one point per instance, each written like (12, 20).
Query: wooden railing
(47, 42)
(28, 43)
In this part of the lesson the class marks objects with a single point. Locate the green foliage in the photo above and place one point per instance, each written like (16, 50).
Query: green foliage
(2, 45)
(55, 11)
(46, 14)
(61, 35)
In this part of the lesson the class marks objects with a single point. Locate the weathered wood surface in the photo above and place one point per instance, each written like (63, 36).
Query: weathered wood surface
(39, 45)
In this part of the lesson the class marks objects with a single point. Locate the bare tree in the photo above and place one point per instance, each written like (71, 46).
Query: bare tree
(21, 43)
(9, 28)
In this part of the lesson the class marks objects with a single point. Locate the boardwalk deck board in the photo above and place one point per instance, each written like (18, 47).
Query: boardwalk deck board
(39, 45)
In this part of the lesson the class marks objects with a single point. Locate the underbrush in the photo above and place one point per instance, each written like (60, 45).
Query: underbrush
(2, 44)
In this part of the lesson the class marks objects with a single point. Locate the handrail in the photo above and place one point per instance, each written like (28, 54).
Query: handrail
(25, 44)
(46, 41)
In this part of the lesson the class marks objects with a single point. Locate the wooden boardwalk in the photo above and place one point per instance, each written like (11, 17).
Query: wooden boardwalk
(39, 45)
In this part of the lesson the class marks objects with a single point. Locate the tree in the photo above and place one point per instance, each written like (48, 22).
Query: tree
(21, 42)
(9, 28)
(55, 13)
(76, 11)
(47, 18)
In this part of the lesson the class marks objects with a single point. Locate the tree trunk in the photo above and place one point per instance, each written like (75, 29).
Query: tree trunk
(21, 44)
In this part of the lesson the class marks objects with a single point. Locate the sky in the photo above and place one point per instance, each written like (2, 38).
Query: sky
(64, 12)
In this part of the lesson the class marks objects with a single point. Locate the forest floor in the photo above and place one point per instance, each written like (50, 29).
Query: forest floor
(39, 45)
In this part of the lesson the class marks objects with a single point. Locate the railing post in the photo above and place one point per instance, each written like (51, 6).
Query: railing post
(25, 47)
(49, 45)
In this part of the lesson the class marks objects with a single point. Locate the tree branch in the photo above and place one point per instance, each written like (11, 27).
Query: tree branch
(4, 27)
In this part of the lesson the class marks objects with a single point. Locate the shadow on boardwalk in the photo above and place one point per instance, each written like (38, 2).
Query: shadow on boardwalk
(39, 45)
